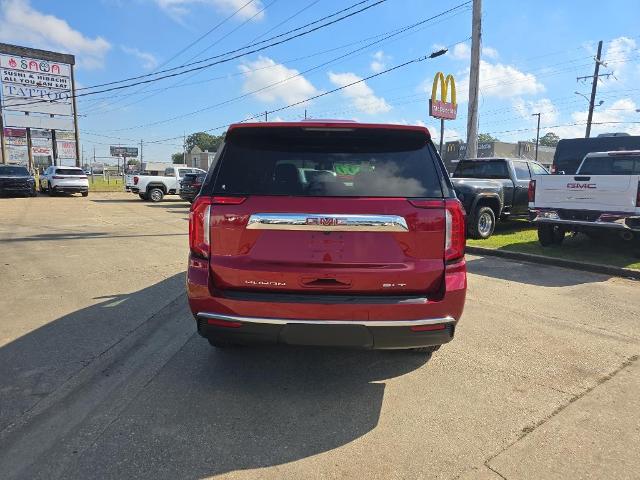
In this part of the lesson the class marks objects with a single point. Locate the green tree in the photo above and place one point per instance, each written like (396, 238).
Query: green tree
(177, 158)
(486, 137)
(548, 140)
(203, 140)
(133, 161)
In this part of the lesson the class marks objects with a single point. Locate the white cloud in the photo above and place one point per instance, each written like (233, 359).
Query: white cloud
(264, 72)
(490, 52)
(500, 81)
(618, 56)
(178, 9)
(526, 108)
(379, 62)
(361, 95)
(23, 24)
(461, 51)
(623, 110)
(149, 61)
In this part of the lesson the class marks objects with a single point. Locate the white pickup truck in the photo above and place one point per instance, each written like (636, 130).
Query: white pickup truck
(603, 195)
(155, 187)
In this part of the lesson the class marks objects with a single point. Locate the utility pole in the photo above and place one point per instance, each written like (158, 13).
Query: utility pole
(537, 133)
(594, 87)
(141, 144)
(266, 116)
(184, 148)
(474, 80)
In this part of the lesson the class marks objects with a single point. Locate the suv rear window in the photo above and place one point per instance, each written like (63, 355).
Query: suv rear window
(611, 165)
(11, 171)
(482, 169)
(69, 171)
(324, 162)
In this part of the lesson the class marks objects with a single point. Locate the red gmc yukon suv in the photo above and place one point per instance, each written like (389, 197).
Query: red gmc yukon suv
(327, 233)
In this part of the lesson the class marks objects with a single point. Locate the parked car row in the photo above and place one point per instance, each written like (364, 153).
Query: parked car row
(155, 187)
(17, 180)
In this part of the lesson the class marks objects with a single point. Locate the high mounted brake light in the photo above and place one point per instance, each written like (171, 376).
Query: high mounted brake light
(219, 200)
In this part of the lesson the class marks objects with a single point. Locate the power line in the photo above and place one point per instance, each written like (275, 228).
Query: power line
(387, 35)
(230, 52)
(329, 92)
(225, 60)
(211, 30)
(280, 82)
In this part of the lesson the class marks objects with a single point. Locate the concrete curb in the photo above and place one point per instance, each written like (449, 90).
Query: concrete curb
(558, 262)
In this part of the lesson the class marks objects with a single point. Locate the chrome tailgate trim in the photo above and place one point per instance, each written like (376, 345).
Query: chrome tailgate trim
(327, 222)
(366, 323)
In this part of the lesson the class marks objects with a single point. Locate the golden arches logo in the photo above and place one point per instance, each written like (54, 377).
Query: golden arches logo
(442, 108)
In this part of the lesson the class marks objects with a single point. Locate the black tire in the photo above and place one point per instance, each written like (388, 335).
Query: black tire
(549, 235)
(481, 223)
(143, 196)
(51, 191)
(155, 194)
(85, 194)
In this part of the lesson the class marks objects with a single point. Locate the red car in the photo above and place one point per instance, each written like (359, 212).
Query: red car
(327, 233)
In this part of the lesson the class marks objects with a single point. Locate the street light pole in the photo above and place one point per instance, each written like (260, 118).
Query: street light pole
(537, 133)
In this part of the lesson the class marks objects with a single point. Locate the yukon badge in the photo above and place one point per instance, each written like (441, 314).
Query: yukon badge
(265, 284)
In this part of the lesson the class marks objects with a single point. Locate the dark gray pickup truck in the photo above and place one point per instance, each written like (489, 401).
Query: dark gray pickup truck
(493, 188)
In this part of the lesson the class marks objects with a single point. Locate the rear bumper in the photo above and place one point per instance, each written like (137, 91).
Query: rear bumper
(71, 188)
(189, 196)
(365, 323)
(353, 334)
(610, 220)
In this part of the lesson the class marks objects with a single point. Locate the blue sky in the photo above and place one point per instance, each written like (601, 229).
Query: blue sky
(533, 52)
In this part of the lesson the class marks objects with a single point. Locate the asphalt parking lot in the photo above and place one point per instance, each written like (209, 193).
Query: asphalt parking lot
(102, 375)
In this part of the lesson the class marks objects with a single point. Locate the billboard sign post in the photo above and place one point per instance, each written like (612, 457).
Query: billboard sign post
(37, 92)
(443, 108)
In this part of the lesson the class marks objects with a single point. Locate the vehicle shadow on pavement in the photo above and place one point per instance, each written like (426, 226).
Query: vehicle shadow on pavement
(186, 412)
(39, 362)
(214, 411)
(531, 273)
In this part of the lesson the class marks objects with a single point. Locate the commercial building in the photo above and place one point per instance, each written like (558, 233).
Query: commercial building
(38, 117)
(455, 151)
(199, 159)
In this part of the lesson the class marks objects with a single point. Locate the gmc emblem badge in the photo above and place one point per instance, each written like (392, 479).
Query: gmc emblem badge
(324, 221)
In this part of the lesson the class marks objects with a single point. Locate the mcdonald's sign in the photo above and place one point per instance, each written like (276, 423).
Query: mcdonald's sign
(442, 108)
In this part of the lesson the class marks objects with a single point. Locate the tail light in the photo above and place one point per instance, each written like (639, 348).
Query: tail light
(532, 191)
(200, 222)
(638, 196)
(57, 177)
(136, 180)
(455, 241)
(199, 225)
